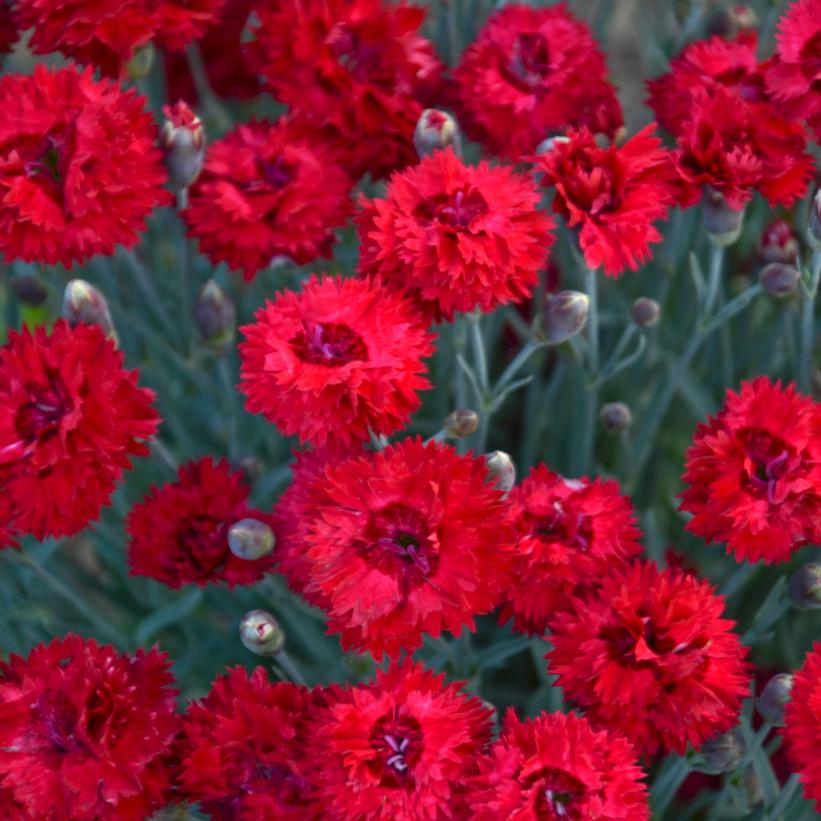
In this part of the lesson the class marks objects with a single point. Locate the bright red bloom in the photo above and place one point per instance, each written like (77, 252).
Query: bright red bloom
(336, 360)
(531, 73)
(86, 732)
(8, 27)
(613, 195)
(405, 541)
(179, 22)
(558, 766)
(179, 533)
(571, 533)
(79, 169)
(357, 68)
(649, 655)
(456, 236)
(400, 749)
(268, 190)
(754, 473)
(71, 418)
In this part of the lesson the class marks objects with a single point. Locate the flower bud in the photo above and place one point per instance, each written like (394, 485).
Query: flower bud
(460, 423)
(183, 141)
(251, 539)
(723, 223)
(776, 693)
(645, 312)
(778, 244)
(215, 317)
(501, 469)
(723, 753)
(548, 144)
(82, 302)
(436, 129)
(732, 21)
(615, 417)
(29, 290)
(814, 224)
(564, 315)
(805, 586)
(260, 632)
(251, 467)
(779, 280)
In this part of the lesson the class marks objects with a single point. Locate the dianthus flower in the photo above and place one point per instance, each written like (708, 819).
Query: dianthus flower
(8, 27)
(79, 169)
(268, 190)
(558, 766)
(245, 753)
(86, 732)
(399, 749)
(335, 361)
(179, 533)
(531, 73)
(570, 534)
(405, 541)
(71, 418)
(650, 656)
(456, 236)
(754, 473)
(358, 68)
(613, 195)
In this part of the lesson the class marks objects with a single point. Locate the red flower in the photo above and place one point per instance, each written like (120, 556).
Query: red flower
(650, 656)
(456, 236)
(754, 473)
(85, 732)
(79, 170)
(400, 749)
(179, 533)
(245, 749)
(179, 22)
(531, 73)
(8, 27)
(355, 67)
(405, 541)
(571, 533)
(558, 766)
(612, 194)
(7, 531)
(70, 420)
(268, 190)
(335, 361)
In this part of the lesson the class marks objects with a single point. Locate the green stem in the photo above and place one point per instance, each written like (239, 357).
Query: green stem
(787, 793)
(713, 278)
(479, 352)
(150, 293)
(289, 668)
(199, 74)
(592, 322)
(591, 407)
(667, 785)
(808, 326)
(231, 411)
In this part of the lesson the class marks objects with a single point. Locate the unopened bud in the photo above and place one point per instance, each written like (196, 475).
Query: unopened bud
(460, 423)
(615, 417)
(501, 470)
(778, 243)
(547, 145)
(805, 586)
(251, 467)
(183, 141)
(564, 315)
(260, 632)
(251, 539)
(140, 64)
(434, 130)
(645, 312)
(723, 223)
(776, 693)
(82, 302)
(779, 280)
(216, 317)
(29, 290)
(732, 21)
(724, 752)
(814, 224)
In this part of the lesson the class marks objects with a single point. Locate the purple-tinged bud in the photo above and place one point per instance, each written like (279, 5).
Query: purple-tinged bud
(723, 753)
(645, 312)
(814, 224)
(460, 423)
(435, 130)
(251, 539)
(723, 223)
(215, 317)
(183, 141)
(775, 695)
(778, 243)
(260, 632)
(82, 302)
(29, 290)
(615, 417)
(779, 280)
(564, 315)
(501, 470)
(732, 21)
(805, 586)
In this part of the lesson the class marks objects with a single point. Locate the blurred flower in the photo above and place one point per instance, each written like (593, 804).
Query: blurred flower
(645, 312)
(179, 532)
(8, 27)
(754, 473)
(723, 752)
(803, 724)
(779, 243)
(779, 280)
(615, 417)
(183, 141)
(79, 171)
(8, 536)
(456, 236)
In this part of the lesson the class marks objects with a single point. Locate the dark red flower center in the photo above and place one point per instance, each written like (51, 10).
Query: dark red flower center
(556, 794)
(277, 173)
(40, 417)
(202, 543)
(59, 720)
(562, 524)
(811, 58)
(458, 210)
(289, 788)
(48, 158)
(359, 55)
(529, 62)
(397, 742)
(397, 540)
(767, 462)
(596, 182)
(330, 343)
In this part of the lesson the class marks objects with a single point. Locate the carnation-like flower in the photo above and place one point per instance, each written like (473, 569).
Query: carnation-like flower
(71, 418)
(400, 749)
(179, 533)
(650, 656)
(456, 236)
(570, 534)
(336, 361)
(7, 532)
(557, 766)
(754, 473)
(357, 68)
(244, 749)
(79, 169)
(402, 542)
(86, 732)
(268, 190)
(611, 195)
(8, 27)
(531, 73)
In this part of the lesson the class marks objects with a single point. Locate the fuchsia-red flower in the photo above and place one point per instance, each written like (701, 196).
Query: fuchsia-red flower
(179, 533)
(70, 420)
(650, 656)
(357, 68)
(268, 190)
(79, 169)
(570, 534)
(8, 27)
(404, 541)
(612, 195)
(336, 361)
(754, 473)
(401, 749)
(7, 532)
(531, 73)
(456, 236)
(86, 733)
(557, 766)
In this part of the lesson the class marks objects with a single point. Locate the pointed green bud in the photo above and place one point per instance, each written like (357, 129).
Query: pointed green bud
(260, 632)
(615, 417)
(779, 280)
(645, 312)
(82, 302)
(460, 423)
(501, 470)
(723, 223)
(564, 316)
(805, 587)
(723, 753)
(215, 317)
(776, 694)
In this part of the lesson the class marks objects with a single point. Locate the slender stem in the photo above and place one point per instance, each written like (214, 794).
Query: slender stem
(199, 74)
(289, 668)
(231, 411)
(808, 325)
(592, 404)
(164, 455)
(787, 793)
(150, 293)
(667, 785)
(516, 364)
(592, 322)
(479, 352)
(713, 278)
